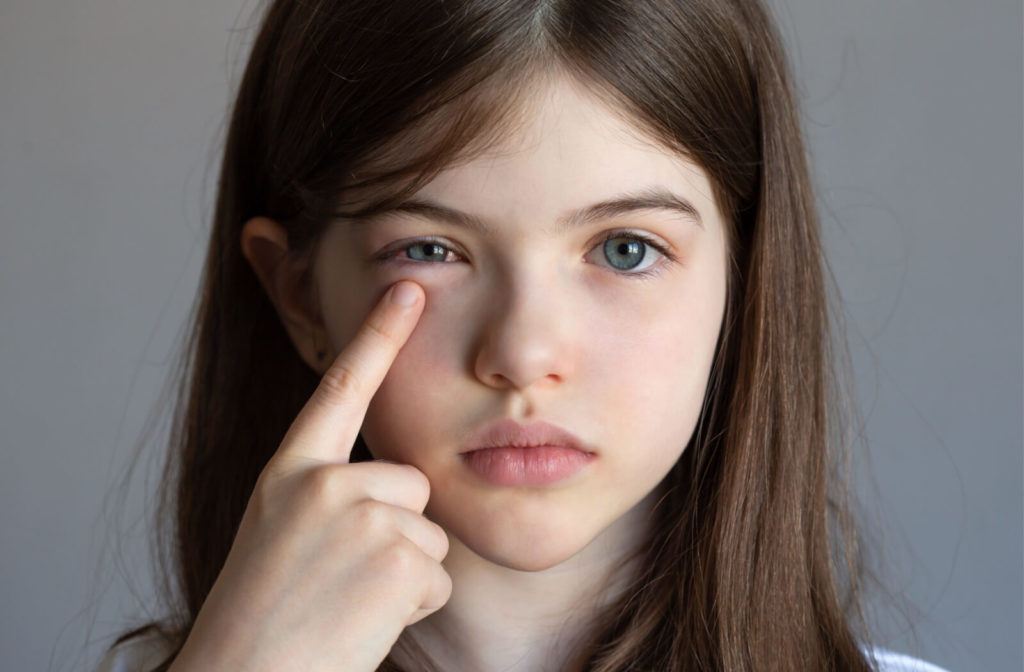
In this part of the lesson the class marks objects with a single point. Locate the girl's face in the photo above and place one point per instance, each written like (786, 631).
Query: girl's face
(531, 316)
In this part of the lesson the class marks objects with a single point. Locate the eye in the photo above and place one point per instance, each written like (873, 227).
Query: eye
(419, 250)
(627, 250)
(427, 251)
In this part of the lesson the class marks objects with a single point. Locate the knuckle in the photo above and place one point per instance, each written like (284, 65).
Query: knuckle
(418, 481)
(398, 560)
(377, 330)
(319, 486)
(414, 483)
(370, 515)
(442, 538)
(271, 492)
(437, 591)
(340, 383)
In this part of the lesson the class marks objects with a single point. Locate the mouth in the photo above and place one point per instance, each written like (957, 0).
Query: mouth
(509, 454)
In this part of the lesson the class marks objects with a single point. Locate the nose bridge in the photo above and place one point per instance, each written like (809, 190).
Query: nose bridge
(526, 336)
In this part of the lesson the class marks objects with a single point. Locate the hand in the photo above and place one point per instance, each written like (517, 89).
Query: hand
(331, 560)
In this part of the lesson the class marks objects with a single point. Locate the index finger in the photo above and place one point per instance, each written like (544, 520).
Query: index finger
(327, 426)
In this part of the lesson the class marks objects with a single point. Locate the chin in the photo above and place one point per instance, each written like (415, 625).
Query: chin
(526, 548)
(528, 560)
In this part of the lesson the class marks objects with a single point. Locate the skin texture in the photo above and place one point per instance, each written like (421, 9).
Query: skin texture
(532, 323)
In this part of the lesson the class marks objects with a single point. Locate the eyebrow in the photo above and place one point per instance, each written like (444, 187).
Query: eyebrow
(650, 198)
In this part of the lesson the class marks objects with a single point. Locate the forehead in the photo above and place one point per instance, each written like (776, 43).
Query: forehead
(570, 150)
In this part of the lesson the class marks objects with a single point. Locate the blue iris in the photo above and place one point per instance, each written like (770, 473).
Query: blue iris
(431, 249)
(624, 252)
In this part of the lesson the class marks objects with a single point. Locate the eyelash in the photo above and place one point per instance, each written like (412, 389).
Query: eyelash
(384, 257)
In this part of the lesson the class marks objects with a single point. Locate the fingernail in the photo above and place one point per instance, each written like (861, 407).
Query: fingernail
(403, 294)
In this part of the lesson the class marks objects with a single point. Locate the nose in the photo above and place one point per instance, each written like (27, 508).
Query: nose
(526, 339)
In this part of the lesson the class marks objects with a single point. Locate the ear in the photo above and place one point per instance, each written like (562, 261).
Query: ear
(287, 279)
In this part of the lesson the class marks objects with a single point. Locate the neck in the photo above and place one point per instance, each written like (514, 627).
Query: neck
(500, 618)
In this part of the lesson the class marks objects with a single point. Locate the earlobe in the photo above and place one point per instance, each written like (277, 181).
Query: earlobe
(284, 275)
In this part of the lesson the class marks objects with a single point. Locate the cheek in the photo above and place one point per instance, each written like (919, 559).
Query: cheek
(414, 400)
(650, 366)
(649, 372)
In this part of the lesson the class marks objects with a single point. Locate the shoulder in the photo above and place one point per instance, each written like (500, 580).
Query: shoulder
(884, 660)
(140, 653)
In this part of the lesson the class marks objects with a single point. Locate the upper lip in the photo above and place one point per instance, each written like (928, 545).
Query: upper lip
(509, 433)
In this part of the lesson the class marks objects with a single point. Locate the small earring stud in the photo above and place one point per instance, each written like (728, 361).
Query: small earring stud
(320, 354)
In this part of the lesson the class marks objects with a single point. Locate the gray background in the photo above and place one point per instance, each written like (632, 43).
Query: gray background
(110, 113)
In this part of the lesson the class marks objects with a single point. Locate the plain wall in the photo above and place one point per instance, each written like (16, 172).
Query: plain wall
(111, 117)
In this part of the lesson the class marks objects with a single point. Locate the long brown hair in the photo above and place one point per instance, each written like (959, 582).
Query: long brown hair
(752, 564)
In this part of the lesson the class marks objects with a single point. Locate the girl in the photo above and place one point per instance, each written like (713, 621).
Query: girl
(513, 353)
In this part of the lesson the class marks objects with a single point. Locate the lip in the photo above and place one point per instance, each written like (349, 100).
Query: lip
(506, 453)
(509, 433)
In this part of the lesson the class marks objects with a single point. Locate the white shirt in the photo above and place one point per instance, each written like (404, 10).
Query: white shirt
(142, 653)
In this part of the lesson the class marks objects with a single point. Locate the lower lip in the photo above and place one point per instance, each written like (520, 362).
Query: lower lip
(538, 465)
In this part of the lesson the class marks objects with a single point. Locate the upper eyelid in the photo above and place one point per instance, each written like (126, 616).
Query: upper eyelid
(647, 237)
